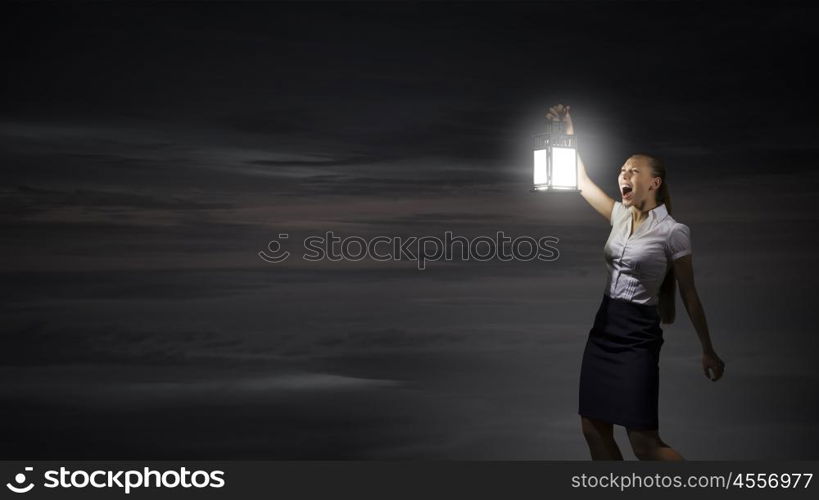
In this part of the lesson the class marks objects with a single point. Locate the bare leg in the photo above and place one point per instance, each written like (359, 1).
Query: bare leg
(647, 445)
(600, 438)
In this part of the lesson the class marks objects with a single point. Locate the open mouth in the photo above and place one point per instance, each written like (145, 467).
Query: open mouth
(626, 192)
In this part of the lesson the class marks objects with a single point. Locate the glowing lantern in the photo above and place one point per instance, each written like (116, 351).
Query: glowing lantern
(555, 160)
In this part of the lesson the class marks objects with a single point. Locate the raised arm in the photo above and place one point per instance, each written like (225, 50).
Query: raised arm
(596, 197)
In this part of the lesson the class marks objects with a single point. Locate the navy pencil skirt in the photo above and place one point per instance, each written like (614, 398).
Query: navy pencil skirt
(620, 374)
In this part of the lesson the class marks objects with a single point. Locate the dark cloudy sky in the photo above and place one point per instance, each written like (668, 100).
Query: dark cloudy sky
(149, 152)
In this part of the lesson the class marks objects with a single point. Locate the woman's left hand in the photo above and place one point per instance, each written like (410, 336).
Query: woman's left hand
(710, 361)
(560, 113)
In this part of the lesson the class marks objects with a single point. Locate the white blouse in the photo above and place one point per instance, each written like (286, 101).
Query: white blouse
(637, 264)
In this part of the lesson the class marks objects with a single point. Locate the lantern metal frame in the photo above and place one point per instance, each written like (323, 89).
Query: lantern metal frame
(555, 137)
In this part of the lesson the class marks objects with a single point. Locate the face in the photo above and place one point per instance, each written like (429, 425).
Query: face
(637, 184)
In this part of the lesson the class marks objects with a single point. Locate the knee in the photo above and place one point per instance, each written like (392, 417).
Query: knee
(594, 432)
(644, 447)
(590, 434)
(644, 451)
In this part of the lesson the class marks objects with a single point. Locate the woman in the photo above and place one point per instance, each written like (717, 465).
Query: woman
(647, 251)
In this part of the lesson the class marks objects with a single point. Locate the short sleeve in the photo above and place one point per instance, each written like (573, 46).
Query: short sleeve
(679, 242)
(616, 210)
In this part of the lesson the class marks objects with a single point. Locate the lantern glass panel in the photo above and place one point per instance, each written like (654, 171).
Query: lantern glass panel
(564, 168)
(541, 175)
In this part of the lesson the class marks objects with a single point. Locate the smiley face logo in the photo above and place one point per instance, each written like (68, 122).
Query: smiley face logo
(20, 478)
(275, 253)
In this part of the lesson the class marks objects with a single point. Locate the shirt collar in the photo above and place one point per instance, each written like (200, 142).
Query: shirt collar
(659, 212)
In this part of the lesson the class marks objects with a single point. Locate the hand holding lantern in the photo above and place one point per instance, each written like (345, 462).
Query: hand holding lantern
(555, 153)
(560, 113)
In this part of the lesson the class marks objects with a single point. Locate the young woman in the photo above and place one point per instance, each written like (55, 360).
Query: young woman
(646, 252)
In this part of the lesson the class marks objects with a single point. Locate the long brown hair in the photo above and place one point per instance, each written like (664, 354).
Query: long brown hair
(667, 303)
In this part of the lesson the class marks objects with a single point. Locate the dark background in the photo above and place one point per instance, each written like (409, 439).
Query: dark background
(149, 152)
